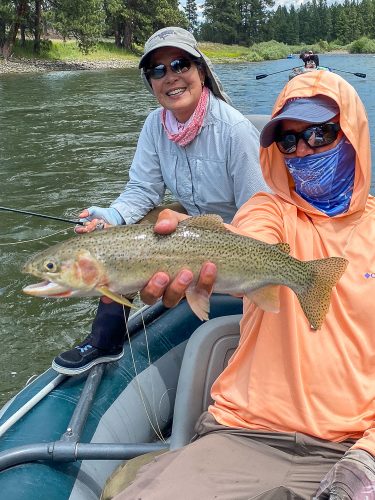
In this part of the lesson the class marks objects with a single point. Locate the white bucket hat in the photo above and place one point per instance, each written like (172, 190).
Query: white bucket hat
(182, 39)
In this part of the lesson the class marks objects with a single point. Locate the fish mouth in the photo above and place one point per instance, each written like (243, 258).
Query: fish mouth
(48, 289)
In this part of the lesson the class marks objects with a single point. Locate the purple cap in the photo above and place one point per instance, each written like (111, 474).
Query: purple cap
(316, 109)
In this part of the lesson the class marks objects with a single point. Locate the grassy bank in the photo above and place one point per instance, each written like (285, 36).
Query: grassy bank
(106, 55)
(57, 50)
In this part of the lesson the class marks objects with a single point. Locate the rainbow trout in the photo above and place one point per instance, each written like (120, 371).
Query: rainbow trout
(120, 261)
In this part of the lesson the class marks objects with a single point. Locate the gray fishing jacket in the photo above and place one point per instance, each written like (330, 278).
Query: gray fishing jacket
(216, 173)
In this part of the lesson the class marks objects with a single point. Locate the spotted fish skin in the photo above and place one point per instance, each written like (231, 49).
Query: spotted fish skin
(122, 259)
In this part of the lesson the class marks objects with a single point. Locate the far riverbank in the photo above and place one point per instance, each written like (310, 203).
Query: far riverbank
(23, 65)
(65, 56)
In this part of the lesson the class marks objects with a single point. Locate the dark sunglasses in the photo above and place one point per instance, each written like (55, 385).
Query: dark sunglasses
(315, 136)
(180, 65)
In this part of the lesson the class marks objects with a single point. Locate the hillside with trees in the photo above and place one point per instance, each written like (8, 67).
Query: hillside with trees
(128, 23)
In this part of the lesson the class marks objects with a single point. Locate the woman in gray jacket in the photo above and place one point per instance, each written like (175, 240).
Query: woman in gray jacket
(196, 145)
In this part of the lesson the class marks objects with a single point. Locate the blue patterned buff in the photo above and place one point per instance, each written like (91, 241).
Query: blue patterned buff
(325, 180)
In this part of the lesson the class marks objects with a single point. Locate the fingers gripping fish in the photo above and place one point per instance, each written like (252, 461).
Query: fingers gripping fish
(121, 260)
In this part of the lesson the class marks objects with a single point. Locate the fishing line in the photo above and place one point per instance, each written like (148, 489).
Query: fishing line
(157, 431)
(151, 378)
(36, 239)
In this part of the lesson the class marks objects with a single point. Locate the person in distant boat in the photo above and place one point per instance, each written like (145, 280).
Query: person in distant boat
(205, 152)
(311, 63)
(309, 59)
(294, 411)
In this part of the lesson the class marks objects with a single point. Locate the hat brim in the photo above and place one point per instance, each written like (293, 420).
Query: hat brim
(321, 115)
(178, 45)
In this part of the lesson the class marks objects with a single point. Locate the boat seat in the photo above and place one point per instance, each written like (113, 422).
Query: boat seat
(259, 121)
(206, 355)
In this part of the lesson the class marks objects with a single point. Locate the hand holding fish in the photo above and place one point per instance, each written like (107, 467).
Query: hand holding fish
(95, 217)
(172, 291)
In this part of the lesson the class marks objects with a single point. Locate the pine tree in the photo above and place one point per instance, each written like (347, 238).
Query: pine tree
(192, 15)
(222, 21)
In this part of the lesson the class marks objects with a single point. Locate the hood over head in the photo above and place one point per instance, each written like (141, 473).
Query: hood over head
(180, 38)
(318, 85)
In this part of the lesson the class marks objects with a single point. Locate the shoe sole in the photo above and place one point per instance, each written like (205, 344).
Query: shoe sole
(82, 369)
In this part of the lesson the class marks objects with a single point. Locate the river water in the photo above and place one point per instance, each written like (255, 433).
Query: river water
(66, 142)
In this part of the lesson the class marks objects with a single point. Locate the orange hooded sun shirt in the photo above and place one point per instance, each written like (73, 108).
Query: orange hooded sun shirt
(285, 376)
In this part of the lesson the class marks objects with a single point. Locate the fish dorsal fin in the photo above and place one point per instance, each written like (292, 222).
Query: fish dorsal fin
(267, 298)
(209, 221)
(283, 247)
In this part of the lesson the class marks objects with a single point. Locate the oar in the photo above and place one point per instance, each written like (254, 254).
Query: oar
(259, 77)
(7, 209)
(361, 75)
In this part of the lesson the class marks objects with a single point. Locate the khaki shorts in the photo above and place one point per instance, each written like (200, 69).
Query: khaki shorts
(237, 464)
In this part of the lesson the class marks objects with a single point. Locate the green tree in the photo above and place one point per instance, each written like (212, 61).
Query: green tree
(292, 35)
(133, 21)
(366, 13)
(15, 14)
(6, 18)
(222, 21)
(281, 24)
(83, 20)
(191, 15)
(316, 21)
(343, 26)
(253, 14)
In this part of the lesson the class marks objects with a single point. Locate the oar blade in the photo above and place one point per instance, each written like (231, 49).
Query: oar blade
(259, 77)
(360, 75)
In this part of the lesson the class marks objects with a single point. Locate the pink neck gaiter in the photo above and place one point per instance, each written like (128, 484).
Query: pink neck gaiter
(194, 124)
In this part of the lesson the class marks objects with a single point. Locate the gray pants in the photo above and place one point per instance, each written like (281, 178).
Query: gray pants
(237, 464)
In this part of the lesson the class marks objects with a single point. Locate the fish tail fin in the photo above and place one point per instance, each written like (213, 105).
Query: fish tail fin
(316, 297)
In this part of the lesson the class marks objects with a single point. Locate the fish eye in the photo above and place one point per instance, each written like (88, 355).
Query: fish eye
(50, 266)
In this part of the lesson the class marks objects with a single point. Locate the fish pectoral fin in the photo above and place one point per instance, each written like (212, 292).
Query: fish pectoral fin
(213, 222)
(199, 302)
(114, 296)
(267, 298)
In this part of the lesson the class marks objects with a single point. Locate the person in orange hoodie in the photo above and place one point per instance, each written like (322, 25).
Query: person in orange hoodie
(294, 411)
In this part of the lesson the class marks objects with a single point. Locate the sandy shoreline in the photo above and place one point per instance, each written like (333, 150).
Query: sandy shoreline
(40, 66)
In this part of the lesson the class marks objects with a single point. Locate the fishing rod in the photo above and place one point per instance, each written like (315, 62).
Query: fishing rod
(7, 209)
(260, 77)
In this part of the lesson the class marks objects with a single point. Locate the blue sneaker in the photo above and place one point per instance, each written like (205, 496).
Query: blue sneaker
(83, 357)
